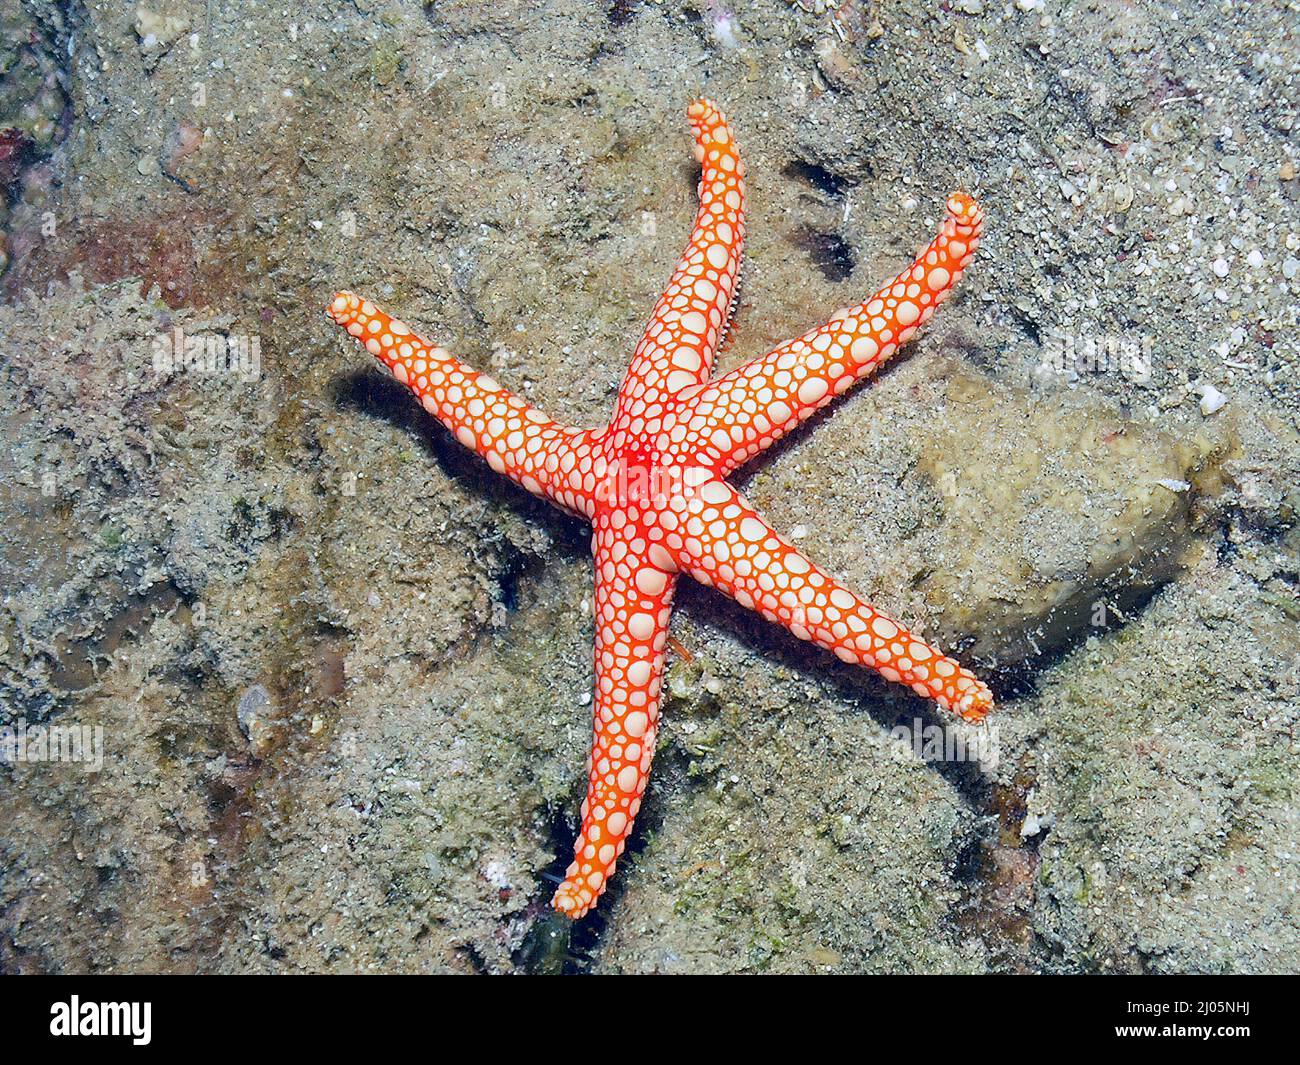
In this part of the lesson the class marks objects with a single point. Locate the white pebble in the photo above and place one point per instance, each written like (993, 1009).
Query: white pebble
(1220, 267)
(1255, 260)
(1212, 400)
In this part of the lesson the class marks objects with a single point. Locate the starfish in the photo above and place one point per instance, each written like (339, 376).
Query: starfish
(652, 482)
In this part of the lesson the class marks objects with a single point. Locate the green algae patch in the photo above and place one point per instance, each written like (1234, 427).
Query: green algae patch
(385, 62)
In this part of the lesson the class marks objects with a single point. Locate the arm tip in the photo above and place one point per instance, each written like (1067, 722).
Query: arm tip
(965, 213)
(343, 307)
(709, 125)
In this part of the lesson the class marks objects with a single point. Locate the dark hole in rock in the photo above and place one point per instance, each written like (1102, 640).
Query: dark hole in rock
(620, 12)
(818, 177)
(829, 252)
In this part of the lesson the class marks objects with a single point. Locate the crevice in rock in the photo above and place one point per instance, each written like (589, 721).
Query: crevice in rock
(829, 252)
(819, 177)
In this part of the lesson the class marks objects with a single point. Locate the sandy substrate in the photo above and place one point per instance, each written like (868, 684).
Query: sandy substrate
(342, 671)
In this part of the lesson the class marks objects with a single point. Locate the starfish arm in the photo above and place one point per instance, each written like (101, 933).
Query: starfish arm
(743, 412)
(727, 545)
(633, 600)
(550, 460)
(690, 317)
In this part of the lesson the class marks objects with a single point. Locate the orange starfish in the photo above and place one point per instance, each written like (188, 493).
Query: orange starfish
(651, 482)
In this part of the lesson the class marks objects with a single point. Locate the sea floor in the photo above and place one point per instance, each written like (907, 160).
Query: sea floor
(330, 677)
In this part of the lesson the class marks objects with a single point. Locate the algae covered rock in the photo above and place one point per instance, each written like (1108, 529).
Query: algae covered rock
(1056, 521)
(795, 837)
(1165, 760)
